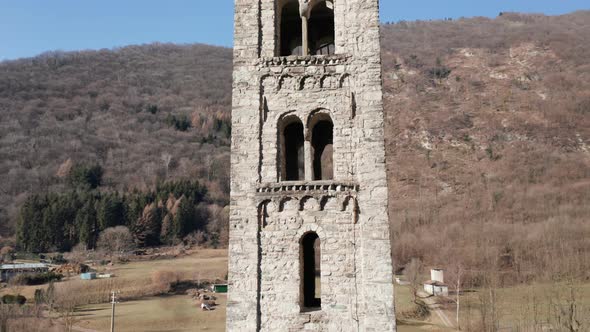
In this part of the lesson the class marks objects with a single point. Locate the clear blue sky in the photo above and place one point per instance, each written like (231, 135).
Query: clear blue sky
(30, 27)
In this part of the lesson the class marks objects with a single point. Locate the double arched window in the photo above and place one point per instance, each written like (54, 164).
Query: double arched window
(307, 28)
(306, 158)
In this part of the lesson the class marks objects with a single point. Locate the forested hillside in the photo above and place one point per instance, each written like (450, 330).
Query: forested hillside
(487, 127)
(144, 114)
(488, 133)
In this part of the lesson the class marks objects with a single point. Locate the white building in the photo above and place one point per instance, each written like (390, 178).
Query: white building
(436, 286)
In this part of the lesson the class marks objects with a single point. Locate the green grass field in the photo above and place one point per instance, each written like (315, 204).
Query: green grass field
(516, 305)
(523, 306)
(178, 313)
(404, 302)
(163, 313)
(202, 264)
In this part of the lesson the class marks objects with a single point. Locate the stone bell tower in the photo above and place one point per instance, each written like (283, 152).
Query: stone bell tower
(309, 232)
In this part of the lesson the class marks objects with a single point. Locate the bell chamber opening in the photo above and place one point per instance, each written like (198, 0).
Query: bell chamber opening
(306, 29)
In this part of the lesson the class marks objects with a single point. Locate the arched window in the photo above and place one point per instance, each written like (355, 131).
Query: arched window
(321, 28)
(292, 150)
(291, 29)
(322, 144)
(311, 271)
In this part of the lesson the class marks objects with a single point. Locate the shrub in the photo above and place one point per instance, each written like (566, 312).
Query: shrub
(180, 123)
(153, 109)
(420, 311)
(7, 253)
(195, 238)
(36, 279)
(164, 280)
(583, 106)
(58, 259)
(7, 250)
(14, 299)
(440, 72)
(39, 296)
(116, 240)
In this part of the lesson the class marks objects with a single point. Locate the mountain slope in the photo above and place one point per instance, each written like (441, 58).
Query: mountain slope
(113, 108)
(487, 128)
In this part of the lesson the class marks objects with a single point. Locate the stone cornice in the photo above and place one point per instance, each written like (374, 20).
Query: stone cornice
(309, 60)
(305, 188)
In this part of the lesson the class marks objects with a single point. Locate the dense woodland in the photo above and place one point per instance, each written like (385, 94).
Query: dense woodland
(147, 115)
(167, 215)
(487, 137)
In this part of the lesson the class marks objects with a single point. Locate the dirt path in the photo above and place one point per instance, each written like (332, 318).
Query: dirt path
(81, 329)
(433, 306)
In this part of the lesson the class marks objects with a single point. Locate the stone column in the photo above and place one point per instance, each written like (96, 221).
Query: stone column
(305, 36)
(304, 13)
(307, 150)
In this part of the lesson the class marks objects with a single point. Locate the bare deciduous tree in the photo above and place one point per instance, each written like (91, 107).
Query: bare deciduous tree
(489, 303)
(163, 280)
(166, 159)
(567, 312)
(454, 277)
(116, 241)
(413, 273)
(66, 309)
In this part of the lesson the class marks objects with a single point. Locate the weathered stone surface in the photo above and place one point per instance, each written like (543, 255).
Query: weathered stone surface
(349, 214)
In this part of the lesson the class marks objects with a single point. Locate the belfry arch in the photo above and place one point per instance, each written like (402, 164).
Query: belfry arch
(305, 27)
(321, 28)
(290, 28)
(321, 128)
(292, 151)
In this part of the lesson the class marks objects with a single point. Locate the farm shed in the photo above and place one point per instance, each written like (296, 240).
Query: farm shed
(8, 271)
(88, 276)
(436, 288)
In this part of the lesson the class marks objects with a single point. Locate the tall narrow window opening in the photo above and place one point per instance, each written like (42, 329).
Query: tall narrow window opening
(321, 29)
(291, 29)
(311, 271)
(293, 166)
(322, 142)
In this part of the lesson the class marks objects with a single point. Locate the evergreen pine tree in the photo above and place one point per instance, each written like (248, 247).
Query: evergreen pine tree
(110, 211)
(28, 235)
(183, 220)
(87, 225)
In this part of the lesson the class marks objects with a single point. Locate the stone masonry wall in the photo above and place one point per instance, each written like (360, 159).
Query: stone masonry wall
(268, 218)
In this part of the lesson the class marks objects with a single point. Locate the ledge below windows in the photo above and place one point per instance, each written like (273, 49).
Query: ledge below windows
(309, 60)
(295, 188)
